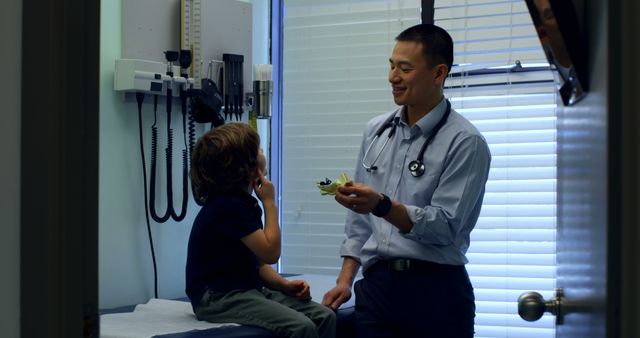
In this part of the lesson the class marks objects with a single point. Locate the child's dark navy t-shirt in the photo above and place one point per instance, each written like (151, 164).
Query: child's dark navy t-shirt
(216, 257)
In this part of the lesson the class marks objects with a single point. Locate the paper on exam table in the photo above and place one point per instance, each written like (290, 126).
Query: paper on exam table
(162, 316)
(157, 317)
(330, 189)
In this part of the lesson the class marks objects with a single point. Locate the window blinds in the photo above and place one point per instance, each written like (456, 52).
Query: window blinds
(513, 245)
(335, 79)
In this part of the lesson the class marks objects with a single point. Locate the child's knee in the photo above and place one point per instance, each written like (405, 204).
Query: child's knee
(328, 316)
(305, 328)
(326, 321)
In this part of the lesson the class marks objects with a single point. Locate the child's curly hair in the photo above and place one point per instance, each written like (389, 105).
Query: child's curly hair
(224, 160)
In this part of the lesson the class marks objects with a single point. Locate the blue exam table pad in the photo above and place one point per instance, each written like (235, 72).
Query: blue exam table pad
(124, 322)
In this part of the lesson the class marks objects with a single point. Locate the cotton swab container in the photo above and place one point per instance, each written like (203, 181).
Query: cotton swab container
(262, 89)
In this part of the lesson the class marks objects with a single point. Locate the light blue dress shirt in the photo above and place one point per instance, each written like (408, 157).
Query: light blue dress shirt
(443, 204)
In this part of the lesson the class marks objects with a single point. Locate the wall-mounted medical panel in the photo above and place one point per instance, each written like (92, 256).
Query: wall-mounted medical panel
(212, 28)
(209, 28)
(215, 34)
(150, 27)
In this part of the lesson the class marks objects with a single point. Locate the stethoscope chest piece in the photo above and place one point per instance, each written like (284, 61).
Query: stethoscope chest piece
(416, 168)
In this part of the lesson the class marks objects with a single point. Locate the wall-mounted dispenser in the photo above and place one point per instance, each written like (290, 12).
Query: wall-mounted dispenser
(149, 77)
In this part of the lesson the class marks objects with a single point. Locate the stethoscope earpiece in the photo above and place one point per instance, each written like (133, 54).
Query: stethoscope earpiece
(416, 168)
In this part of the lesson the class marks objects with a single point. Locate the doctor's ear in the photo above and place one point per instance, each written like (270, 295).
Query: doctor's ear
(441, 72)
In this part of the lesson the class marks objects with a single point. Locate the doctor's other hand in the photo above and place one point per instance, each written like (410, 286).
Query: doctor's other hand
(336, 296)
(264, 189)
(298, 288)
(358, 197)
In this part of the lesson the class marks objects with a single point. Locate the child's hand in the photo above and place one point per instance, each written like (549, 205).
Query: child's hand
(298, 289)
(264, 188)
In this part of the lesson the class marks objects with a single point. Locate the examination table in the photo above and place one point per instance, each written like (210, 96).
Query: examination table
(175, 319)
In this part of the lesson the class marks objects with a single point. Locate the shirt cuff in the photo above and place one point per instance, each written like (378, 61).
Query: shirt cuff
(351, 248)
(416, 215)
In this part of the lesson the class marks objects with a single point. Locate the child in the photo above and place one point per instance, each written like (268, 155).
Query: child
(228, 276)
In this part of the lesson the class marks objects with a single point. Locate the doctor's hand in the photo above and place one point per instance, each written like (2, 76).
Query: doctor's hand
(336, 296)
(358, 197)
(298, 289)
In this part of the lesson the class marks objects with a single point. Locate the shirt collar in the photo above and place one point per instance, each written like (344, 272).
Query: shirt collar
(427, 122)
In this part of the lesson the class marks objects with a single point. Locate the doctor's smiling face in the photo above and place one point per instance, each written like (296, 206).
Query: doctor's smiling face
(415, 83)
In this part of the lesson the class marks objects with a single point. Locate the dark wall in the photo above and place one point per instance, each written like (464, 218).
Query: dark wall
(624, 166)
(10, 35)
(59, 168)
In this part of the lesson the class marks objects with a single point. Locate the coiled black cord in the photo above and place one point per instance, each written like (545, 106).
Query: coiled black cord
(183, 102)
(192, 143)
(185, 163)
(192, 135)
(154, 159)
(185, 189)
(140, 98)
(170, 212)
(169, 152)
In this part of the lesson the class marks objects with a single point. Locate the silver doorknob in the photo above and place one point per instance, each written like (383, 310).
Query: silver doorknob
(531, 306)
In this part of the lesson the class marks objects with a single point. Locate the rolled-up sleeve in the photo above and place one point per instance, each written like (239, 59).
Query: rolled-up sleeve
(457, 197)
(358, 232)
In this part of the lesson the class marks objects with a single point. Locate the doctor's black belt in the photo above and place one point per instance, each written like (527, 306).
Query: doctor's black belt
(414, 265)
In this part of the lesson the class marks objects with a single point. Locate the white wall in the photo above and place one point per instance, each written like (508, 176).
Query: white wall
(126, 270)
(261, 27)
(260, 50)
(10, 56)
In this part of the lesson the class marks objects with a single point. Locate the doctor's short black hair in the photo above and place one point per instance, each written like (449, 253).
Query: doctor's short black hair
(437, 44)
(224, 160)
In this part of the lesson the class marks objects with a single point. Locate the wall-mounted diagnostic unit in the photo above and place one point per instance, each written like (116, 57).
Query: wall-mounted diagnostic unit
(149, 77)
(196, 50)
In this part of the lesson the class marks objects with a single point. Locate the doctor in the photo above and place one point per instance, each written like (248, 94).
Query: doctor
(421, 179)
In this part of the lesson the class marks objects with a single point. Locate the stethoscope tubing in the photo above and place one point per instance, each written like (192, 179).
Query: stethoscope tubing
(372, 166)
(416, 167)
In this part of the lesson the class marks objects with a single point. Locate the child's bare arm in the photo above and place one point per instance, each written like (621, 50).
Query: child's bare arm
(265, 244)
(271, 278)
(295, 288)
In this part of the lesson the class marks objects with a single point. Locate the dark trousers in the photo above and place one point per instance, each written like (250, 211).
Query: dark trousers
(427, 300)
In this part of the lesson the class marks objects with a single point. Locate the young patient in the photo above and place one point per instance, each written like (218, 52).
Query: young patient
(228, 276)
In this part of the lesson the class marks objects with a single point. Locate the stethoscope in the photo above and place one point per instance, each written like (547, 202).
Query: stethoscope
(416, 167)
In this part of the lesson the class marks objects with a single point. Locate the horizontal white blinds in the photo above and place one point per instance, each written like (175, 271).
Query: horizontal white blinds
(334, 80)
(513, 245)
(489, 33)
